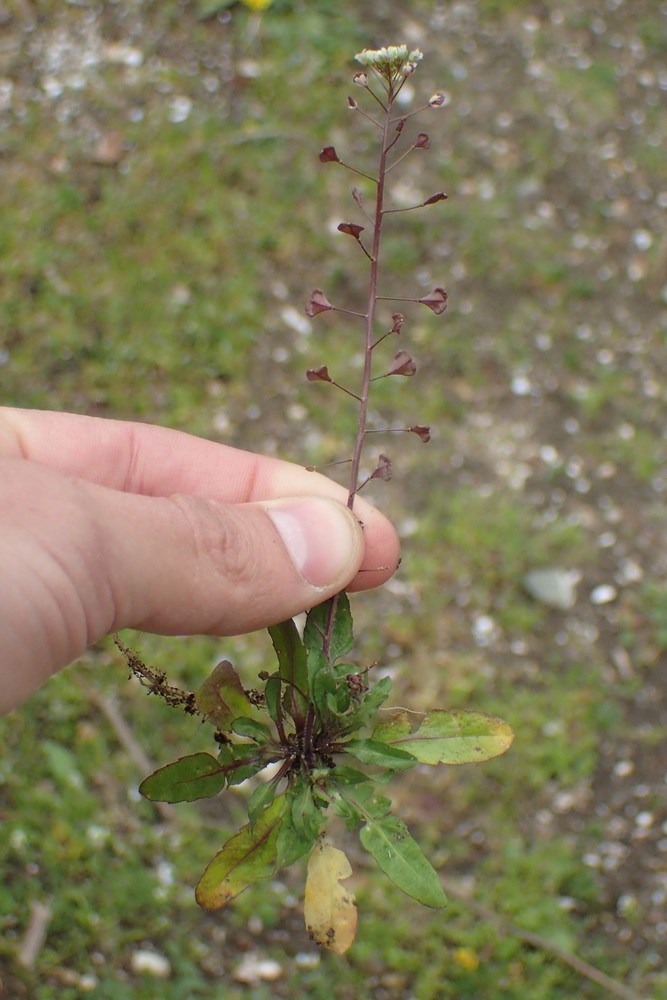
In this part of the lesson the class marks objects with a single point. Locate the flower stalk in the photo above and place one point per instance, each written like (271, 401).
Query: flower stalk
(391, 67)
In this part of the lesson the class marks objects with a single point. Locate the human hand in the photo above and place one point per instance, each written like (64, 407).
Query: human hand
(108, 524)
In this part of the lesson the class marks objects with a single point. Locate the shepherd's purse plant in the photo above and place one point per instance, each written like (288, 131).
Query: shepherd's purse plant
(315, 734)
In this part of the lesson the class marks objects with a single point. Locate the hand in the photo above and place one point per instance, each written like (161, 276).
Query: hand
(106, 525)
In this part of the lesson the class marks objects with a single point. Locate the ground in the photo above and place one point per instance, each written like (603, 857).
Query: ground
(165, 221)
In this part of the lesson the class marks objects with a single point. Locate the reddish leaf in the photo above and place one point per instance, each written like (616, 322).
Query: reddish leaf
(317, 303)
(435, 300)
(320, 374)
(351, 229)
(440, 196)
(383, 469)
(424, 433)
(402, 364)
(400, 124)
(422, 141)
(329, 155)
(397, 319)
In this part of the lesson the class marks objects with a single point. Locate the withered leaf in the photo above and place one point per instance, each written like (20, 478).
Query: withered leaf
(422, 141)
(330, 910)
(398, 319)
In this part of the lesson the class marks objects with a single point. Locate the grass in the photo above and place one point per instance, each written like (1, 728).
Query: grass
(165, 288)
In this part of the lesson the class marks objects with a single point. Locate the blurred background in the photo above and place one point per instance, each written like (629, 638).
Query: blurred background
(164, 219)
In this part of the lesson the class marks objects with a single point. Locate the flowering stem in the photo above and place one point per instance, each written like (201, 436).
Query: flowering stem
(372, 305)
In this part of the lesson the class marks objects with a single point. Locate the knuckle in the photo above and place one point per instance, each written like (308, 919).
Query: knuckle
(218, 538)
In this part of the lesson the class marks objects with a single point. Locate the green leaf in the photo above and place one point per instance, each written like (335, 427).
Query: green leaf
(381, 754)
(291, 844)
(194, 777)
(221, 698)
(369, 703)
(447, 737)
(261, 798)
(247, 857)
(251, 728)
(307, 819)
(402, 860)
(322, 683)
(291, 654)
(272, 691)
(241, 762)
(359, 802)
(348, 775)
(317, 623)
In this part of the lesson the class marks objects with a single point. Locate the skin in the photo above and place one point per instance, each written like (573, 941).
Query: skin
(107, 524)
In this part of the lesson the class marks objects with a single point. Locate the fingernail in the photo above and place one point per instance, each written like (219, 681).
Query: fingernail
(321, 536)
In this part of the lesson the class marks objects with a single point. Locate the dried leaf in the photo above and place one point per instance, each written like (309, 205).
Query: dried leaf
(398, 319)
(436, 300)
(422, 141)
(358, 197)
(330, 911)
(329, 155)
(320, 374)
(403, 364)
(422, 431)
(351, 229)
(317, 303)
(440, 196)
(383, 469)
(222, 698)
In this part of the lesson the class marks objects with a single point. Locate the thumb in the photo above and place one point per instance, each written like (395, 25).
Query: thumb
(184, 564)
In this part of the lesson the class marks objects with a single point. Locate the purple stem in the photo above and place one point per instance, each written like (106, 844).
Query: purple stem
(374, 257)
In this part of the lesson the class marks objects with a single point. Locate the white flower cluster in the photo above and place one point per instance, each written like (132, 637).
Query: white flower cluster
(390, 61)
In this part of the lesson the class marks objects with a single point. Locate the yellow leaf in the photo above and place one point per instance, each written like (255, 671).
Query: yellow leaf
(329, 910)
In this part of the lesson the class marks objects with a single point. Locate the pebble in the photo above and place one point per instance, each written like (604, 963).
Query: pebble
(150, 962)
(605, 593)
(557, 588)
(255, 969)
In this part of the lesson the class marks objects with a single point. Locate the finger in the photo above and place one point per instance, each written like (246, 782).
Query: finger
(156, 461)
(93, 560)
(188, 564)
